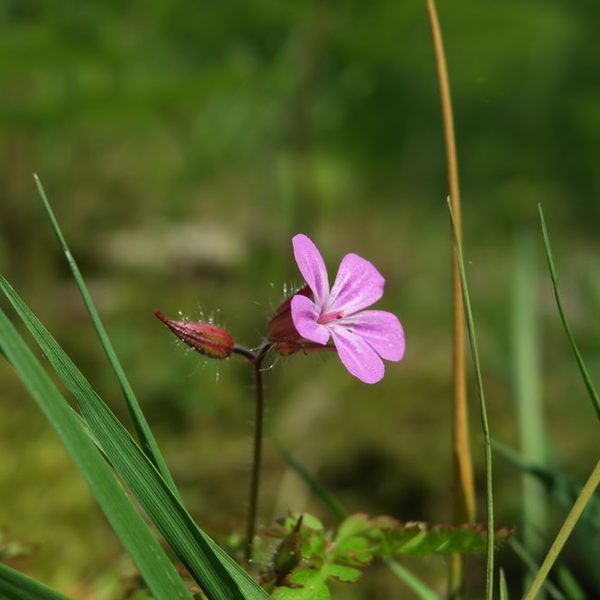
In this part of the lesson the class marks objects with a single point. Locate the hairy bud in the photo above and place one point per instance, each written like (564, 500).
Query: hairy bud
(287, 554)
(206, 338)
(282, 332)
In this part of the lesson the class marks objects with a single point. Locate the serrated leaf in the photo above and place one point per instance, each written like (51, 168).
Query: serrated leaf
(404, 574)
(421, 539)
(352, 526)
(342, 573)
(358, 551)
(305, 584)
(287, 524)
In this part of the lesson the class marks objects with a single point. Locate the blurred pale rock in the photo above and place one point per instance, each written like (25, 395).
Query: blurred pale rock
(184, 245)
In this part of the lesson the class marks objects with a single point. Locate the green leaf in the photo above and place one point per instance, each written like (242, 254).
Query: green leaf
(532, 567)
(342, 573)
(568, 583)
(310, 586)
(142, 428)
(503, 586)
(485, 427)
(315, 487)
(11, 548)
(411, 581)
(16, 586)
(417, 538)
(355, 550)
(559, 487)
(415, 584)
(359, 539)
(155, 567)
(219, 575)
(587, 380)
(527, 391)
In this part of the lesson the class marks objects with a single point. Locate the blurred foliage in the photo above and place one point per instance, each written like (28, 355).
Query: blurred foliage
(309, 558)
(183, 145)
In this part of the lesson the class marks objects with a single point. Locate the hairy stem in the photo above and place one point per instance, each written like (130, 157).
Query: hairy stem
(256, 358)
(464, 488)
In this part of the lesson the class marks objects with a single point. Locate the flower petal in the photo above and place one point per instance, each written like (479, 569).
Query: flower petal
(381, 329)
(311, 265)
(356, 355)
(358, 284)
(304, 315)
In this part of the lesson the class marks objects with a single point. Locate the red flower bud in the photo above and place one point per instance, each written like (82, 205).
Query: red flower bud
(283, 335)
(281, 326)
(206, 338)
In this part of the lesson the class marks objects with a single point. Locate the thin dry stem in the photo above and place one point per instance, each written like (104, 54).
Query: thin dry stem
(464, 489)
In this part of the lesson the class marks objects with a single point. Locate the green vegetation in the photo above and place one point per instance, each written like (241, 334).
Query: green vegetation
(183, 145)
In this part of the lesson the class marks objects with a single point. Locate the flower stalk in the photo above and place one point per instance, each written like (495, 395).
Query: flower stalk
(256, 358)
(305, 322)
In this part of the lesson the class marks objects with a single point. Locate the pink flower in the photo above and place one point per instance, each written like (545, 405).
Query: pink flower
(362, 337)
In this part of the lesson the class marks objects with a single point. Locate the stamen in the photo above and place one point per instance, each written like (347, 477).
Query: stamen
(328, 317)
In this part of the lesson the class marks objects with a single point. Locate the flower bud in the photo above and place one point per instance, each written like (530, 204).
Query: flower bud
(282, 332)
(288, 553)
(206, 338)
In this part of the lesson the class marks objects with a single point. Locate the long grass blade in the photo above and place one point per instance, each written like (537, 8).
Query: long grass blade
(530, 414)
(562, 490)
(569, 583)
(503, 586)
(16, 586)
(532, 567)
(147, 440)
(593, 480)
(155, 567)
(587, 380)
(489, 496)
(565, 531)
(326, 498)
(411, 581)
(338, 511)
(220, 577)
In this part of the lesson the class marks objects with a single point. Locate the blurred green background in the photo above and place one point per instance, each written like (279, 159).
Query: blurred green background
(183, 144)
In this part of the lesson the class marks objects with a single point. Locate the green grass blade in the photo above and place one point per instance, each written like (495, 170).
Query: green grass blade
(587, 380)
(527, 385)
(483, 410)
(413, 582)
(220, 577)
(327, 499)
(155, 567)
(561, 489)
(336, 509)
(532, 566)
(16, 586)
(503, 586)
(142, 428)
(569, 583)
(565, 531)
